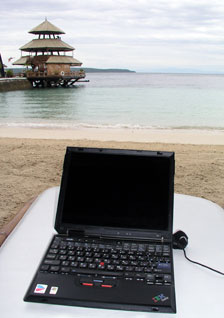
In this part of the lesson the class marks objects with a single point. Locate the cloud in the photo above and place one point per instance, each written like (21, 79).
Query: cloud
(138, 34)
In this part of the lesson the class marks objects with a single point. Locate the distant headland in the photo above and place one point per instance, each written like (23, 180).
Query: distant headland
(107, 70)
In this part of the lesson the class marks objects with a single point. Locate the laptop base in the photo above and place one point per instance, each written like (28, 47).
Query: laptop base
(129, 296)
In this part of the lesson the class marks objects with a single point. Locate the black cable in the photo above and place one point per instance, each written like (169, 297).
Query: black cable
(212, 269)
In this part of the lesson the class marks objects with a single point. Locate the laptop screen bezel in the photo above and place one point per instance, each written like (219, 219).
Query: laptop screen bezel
(63, 228)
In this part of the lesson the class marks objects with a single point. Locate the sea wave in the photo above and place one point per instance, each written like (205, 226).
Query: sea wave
(69, 125)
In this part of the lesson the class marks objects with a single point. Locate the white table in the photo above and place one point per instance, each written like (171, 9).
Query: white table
(199, 292)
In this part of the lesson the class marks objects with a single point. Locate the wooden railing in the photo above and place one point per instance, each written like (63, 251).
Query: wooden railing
(80, 74)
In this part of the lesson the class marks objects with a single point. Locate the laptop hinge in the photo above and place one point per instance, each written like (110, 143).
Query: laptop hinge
(149, 239)
(75, 232)
(81, 233)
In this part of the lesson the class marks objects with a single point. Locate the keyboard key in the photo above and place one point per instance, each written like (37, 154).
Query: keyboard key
(63, 257)
(150, 277)
(134, 263)
(166, 248)
(111, 267)
(163, 268)
(129, 274)
(139, 269)
(65, 269)
(73, 264)
(164, 265)
(139, 275)
(166, 254)
(107, 261)
(142, 247)
(143, 263)
(62, 252)
(134, 247)
(54, 268)
(148, 270)
(126, 246)
(51, 256)
(98, 272)
(129, 268)
(89, 254)
(124, 262)
(167, 278)
(51, 262)
(65, 263)
(53, 251)
(44, 267)
(55, 245)
(79, 253)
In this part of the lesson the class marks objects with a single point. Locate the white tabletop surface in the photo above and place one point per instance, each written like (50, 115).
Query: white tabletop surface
(199, 292)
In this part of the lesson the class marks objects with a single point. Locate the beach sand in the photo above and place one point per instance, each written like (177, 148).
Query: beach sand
(31, 160)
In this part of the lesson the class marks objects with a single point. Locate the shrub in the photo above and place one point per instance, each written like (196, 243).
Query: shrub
(9, 73)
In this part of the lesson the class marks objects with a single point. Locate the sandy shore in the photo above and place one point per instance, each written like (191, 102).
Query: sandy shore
(183, 136)
(31, 160)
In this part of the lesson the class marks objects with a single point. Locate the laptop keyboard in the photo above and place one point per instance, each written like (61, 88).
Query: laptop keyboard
(97, 261)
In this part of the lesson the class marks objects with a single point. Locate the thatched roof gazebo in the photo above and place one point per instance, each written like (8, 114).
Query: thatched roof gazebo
(49, 57)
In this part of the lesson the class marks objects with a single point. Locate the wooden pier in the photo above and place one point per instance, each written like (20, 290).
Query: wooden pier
(39, 79)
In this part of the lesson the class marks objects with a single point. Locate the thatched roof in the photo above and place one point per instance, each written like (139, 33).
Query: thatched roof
(49, 59)
(47, 44)
(22, 61)
(54, 59)
(40, 45)
(46, 28)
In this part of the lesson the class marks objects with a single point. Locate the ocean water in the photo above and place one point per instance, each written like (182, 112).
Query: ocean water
(124, 100)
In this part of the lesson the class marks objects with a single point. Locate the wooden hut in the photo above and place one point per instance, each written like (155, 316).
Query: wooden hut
(49, 58)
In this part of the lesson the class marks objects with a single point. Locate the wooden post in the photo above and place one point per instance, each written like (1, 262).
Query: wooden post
(2, 71)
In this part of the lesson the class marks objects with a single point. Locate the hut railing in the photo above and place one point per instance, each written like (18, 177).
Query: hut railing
(80, 74)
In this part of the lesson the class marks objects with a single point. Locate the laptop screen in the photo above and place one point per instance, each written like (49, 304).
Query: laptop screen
(118, 189)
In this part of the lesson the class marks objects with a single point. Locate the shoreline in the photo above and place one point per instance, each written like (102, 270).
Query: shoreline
(174, 136)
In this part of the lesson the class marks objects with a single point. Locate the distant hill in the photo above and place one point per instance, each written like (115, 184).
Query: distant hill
(109, 70)
(86, 69)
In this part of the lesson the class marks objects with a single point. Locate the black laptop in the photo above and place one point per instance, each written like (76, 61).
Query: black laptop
(114, 244)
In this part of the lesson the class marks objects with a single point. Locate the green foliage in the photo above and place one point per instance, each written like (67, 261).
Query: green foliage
(9, 73)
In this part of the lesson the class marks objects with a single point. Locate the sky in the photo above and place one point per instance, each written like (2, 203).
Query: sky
(140, 35)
